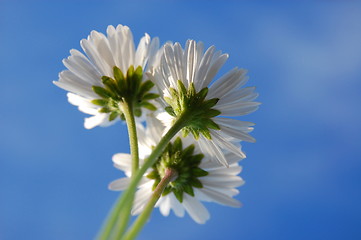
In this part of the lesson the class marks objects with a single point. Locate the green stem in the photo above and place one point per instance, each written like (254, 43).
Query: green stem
(117, 216)
(111, 220)
(128, 195)
(169, 176)
(122, 221)
(124, 216)
(132, 132)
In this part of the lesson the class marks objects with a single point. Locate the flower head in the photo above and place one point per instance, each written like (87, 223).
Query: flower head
(94, 79)
(185, 79)
(198, 179)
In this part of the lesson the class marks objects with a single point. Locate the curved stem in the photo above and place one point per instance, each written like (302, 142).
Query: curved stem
(117, 217)
(169, 176)
(124, 216)
(110, 222)
(132, 132)
(128, 195)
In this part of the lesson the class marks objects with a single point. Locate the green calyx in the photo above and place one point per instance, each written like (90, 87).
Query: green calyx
(121, 89)
(184, 163)
(199, 110)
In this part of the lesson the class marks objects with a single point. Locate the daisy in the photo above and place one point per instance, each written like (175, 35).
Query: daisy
(106, 58)
(198, 179)
(185, 80)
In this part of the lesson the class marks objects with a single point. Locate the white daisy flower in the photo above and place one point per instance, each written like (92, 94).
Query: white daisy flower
(183, 79)
(102, 55)
(198, 179)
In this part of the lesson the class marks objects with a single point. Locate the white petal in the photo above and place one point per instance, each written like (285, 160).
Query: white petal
(141, 198)
(80, 101)
(94, 121)
(203, 68)
(226, 83)
(165, 206)
(119, 184)
(141, 54)
(233, 123)
(72, 85)
(93, 55)
(195, 209)
(239, 95)
(209, 148)
(223, 181)
(221, 198)
(234, 169)
(176, 206)
(80, 66)
(216, 66)
(239, 135)
(226, 144)
(122, 161)
(154, 55)
(191, 58)
(238, 109)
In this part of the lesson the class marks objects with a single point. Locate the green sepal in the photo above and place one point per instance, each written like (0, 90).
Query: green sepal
(130, 81)
(188, 150)
(182, 88)
(104, 110)
(185, 132)
(139, 72)
(168, 100)
(130, 72)
(174, 93)
(113, 116)
(137, 112)
(145, 87)
(188, 189)
(102, 92)
(138, 76)
(211, 124)
(118, 74)
(122, 86)
(206, 133)
(191, 89)
(177, 145)
(197, 159)
(111, 85)
(150, 96)
(196, 183)
(153, 175)
(202, 93)
(212, 113)
(100, 102)
(148, 106)
(210, 103)
(170, 111)
(195, 132)
(198, 172)
(184, 163)
(155, 184)
(178, 194)
(166, 191)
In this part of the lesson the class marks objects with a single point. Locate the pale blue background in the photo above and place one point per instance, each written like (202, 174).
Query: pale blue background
(302, 176)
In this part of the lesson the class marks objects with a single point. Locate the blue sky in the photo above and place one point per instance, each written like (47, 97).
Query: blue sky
(303, 174)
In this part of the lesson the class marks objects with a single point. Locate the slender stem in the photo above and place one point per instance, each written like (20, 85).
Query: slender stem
(110, 222)
(117, 216)
(124, 216)
(132, 132)
(169, 176)
(128, 195)
(122, 221)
